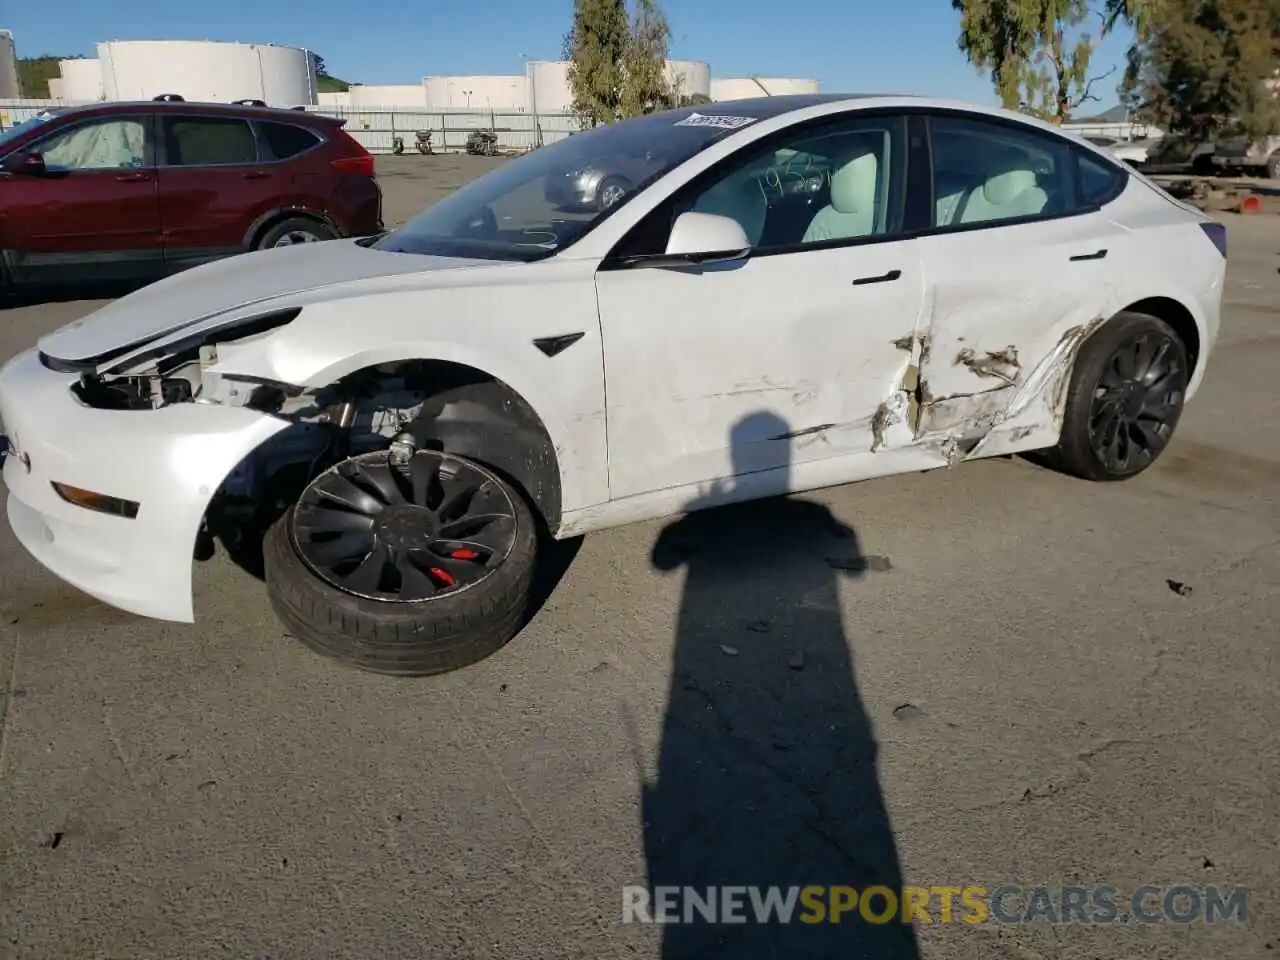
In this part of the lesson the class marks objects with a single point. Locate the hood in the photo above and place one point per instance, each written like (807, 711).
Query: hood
(302, 273)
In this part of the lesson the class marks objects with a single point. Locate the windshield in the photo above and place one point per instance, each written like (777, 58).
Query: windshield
(19, 129)
(534, 206)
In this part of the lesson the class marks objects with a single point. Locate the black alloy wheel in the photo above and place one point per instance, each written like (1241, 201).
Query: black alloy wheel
(1137, 401)
(404, 533)
(1124, 400)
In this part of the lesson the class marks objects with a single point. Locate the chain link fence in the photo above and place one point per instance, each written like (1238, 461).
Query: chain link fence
(379, 128)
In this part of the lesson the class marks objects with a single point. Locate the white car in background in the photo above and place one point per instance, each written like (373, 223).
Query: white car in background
(1133, 152)
(804, 291)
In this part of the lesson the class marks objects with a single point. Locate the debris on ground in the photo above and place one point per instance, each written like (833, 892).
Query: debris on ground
(728, 651)
(908, 711)
(796, 662)
(1178, 587)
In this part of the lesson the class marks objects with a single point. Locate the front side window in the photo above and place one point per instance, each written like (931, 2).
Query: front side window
(987, 172)
(534, 206)
(208, 141)
(116, 144)
(845, 181)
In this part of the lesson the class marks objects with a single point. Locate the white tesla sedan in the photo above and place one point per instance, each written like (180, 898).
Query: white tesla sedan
(784, 294)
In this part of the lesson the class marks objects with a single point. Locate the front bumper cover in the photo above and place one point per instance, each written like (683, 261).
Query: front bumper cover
(171, 461)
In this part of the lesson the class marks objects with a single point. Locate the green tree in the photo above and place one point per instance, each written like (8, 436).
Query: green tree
(596, 46)
(1208, 67)
(618, 61)
(645, 87)
(1038, 52)
(34, 74)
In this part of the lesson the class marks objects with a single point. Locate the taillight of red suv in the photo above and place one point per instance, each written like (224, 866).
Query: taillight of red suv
(357, 160)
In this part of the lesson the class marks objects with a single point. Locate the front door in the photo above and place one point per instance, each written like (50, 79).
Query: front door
(787, 357)
(93, 215)
(213, 186)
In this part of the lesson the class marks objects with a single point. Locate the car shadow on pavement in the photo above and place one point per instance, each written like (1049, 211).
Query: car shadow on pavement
(767, 772)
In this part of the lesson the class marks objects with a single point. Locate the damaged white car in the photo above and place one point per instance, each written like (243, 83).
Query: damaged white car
(785, 294)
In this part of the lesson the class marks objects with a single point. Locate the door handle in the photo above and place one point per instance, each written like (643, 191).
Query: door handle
(883, 278)
(1096, 255)
(133, 177)
(255, 175)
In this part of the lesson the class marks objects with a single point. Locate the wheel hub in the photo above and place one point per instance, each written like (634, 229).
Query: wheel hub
(404, 533)
(405, 526)
(1137, 401)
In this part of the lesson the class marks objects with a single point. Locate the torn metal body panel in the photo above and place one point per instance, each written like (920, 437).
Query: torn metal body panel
(990, 330)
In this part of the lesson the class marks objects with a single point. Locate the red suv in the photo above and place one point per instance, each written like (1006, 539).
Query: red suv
(133, 191)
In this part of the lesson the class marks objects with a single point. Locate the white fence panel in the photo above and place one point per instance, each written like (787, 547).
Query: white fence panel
(376, 128)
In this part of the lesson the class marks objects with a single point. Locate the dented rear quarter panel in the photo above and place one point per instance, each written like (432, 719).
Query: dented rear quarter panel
(1009, 311)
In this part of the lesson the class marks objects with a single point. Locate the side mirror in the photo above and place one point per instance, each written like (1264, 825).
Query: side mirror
(28, 164)
(706, 237)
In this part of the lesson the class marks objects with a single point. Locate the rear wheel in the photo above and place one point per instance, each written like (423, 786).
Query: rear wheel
(1273, 166)
(610, 192)
(1125, 399)
(293, 231)
(405, 569)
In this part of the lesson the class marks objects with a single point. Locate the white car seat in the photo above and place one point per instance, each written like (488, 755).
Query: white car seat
(1010, 189)
(740, 198)
(852, 211)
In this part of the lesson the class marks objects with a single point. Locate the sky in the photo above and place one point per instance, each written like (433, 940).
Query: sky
(873, 46)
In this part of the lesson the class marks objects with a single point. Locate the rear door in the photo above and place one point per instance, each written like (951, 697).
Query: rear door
(1021, 256)
(94, 215)
(215, 182)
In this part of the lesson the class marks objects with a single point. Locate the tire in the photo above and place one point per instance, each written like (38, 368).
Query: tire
(1077, 452)
(1272, 171)
(292, 231)
(407, 639)
(610, 192)
(1203, 166)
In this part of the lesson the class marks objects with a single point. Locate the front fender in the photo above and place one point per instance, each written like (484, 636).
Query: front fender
(331, 340)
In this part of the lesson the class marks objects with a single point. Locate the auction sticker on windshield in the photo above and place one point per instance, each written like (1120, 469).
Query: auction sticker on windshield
(704, 120)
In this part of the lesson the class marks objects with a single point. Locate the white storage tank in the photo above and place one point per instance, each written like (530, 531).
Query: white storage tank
(81, 79)
(55, 88)
(410, 95)
(689, 77)
(207, 70)
(744, 88)
(502, 94)
(549, 90)
(9, 86)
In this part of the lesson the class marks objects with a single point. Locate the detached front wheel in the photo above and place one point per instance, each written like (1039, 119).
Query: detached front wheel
(406, 569)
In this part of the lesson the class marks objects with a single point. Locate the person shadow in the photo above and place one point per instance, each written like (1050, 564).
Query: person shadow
(767, 764)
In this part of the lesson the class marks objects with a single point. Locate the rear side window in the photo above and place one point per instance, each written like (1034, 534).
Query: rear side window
(208, 141)
(986, 172)
(284, 140)
(1100, 182)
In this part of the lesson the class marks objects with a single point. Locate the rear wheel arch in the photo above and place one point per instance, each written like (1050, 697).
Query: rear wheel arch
(1179, 318)
(279, 215)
